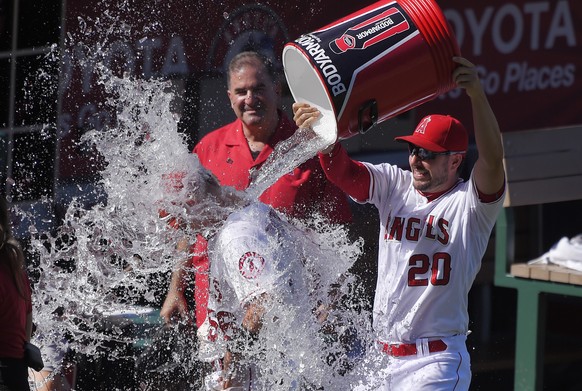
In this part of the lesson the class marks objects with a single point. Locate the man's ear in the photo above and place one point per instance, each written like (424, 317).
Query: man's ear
(457, 160)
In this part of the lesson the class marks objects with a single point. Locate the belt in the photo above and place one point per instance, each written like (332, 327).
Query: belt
(409, 349)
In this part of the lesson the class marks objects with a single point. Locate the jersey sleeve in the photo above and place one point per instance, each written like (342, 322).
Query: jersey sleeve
(385, 178)
(349, 175)
(487, 208)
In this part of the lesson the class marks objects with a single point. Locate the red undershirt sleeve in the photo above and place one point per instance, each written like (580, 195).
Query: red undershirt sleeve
(349, 175)
(489, 198)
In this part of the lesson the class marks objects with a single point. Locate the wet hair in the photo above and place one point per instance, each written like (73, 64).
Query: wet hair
(251, 58)
(10, 252)
(200, 180)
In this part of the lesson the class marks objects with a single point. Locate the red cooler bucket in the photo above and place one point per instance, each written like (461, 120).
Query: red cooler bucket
(372, 65)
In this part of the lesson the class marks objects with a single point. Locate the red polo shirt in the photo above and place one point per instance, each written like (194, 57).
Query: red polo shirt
(300, 193)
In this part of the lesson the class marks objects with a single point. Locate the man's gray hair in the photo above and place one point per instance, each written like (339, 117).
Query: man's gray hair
(251, 58)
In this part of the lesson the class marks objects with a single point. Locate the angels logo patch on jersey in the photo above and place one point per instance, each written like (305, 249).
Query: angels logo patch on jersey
(251, 265)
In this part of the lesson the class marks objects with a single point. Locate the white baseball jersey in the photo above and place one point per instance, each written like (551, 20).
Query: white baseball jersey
(254, 254)
(258, 251)
(249, 256)
(429, 255)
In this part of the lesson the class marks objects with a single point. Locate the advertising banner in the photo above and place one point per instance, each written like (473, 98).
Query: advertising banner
(528, 52)
(530, 58)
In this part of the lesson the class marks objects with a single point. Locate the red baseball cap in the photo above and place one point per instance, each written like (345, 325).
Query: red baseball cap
(439, 133)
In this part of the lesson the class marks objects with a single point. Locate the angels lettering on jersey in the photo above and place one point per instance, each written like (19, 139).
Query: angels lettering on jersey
(414, 229)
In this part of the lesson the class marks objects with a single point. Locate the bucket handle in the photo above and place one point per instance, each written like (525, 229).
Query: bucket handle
(367, 116)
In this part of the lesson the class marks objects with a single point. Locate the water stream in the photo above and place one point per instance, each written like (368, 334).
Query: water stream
(105, 269)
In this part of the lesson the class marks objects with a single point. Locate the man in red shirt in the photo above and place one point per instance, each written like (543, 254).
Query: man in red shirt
(231, 152)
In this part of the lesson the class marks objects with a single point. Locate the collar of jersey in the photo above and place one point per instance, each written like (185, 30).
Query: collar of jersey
(433, 196)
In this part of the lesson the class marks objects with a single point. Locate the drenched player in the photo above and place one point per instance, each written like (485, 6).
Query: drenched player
(434, 229)
(272, 287)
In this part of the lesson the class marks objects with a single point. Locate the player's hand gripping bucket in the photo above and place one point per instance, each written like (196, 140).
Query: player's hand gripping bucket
(372, 65)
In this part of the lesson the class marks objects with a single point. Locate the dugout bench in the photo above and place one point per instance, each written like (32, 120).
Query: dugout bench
(542, 166)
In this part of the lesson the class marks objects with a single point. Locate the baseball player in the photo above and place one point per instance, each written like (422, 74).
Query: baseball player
(270, 279)
(434, 229)
(257, 266)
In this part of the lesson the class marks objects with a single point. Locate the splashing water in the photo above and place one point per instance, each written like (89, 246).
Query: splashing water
(314, 328)
(112, 260)
(290, 153)
(104, 259)
(286, 156)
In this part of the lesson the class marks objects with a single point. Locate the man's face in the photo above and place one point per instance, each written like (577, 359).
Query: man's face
(254, 96)
(434, 174)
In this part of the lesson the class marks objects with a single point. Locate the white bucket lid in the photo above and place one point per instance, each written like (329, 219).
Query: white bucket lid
(306, 86)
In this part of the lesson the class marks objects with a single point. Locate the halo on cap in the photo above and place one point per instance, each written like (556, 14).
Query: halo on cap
(439, 133)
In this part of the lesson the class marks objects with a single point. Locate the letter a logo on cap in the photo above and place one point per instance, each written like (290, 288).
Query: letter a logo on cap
(422, 126)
